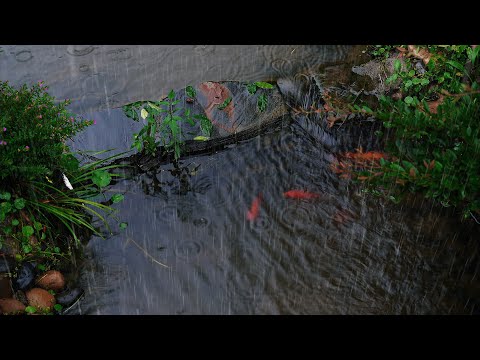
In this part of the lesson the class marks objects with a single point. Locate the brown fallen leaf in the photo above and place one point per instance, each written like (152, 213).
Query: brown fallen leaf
(327, 107)
(412, 173)
(331, 120)
(397, 96)
(419, 53)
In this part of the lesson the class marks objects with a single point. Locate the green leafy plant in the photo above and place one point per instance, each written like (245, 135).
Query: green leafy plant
(425, 70)
(40, 211)
(435, 147)
(262, 101)
(33, 130)
(163, 123)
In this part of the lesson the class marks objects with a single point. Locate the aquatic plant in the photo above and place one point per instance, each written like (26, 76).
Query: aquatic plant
(163, 122)
(262, 100)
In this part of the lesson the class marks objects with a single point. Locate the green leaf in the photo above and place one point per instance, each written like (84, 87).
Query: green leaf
(201, 138)
(30, 310)
(144, 113)
(70, 162)
(41, 267)
(263, 85)
(19, 203)
(177, 150)
(225, 103)
(174, 128)
(27, 231)
(5, 207)
(5, 196)
(469, 131)
(397, 167)
(123, 225)
(15, 222)
(391, 78)
(58, 307)
(190, 91)
(407, 164)
(154, 107)
(101, 178)
(397, 65)
(367, 109)
(408, 100)
(171, 95)
(206, 126)
(262, 102)
(117, 198)
(411, 73)
(456, 65)
(252, 88)
(38, 226)
(56, 249)
(27, 248)
(424, 82)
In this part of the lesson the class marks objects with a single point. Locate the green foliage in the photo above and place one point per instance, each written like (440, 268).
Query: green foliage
(190, 91)
(39, 215)
(262, 100)
(436, 154)
(382, 51)
(225, 103)
(30, 310)
(117, 198)
(32, 131)
(163, 122)
(445, 69)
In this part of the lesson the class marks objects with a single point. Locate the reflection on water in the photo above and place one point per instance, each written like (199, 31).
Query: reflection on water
(107, 76)
(343, 253)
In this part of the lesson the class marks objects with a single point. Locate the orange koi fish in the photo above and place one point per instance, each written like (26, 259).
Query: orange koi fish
(254, 210)
(300, 194)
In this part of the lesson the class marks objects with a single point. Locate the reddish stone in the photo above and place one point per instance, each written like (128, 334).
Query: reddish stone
(40, 299)
(51, 280)
(11, 306)
(216, 94)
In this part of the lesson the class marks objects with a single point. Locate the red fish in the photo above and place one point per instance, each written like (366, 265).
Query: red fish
(254, 210)
(300, 194)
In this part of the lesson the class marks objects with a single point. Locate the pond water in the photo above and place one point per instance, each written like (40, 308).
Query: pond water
(342, 253)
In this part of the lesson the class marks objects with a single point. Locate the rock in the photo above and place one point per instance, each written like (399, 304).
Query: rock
(11, 306)
(41, 299)
(51, 280)
(25, 277)
(6, 264)
(69, 297)
(379, 71)
(5, 287)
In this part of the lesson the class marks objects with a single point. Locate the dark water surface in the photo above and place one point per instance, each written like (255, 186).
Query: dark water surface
(343, 253)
